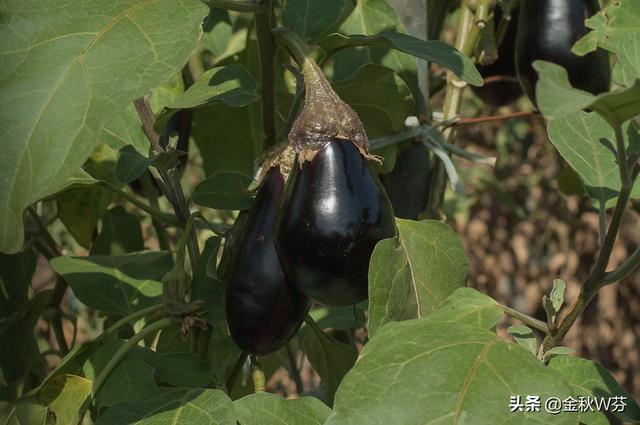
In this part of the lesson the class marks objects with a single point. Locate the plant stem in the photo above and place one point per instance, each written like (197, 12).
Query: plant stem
(150, 193)
(625, 269)
(598, 276)
(526, 319)
(295, 373)
(257, 375)
(267, 52)
(122, 351)
(159, 215)
(236, 371)
(148, 119)
(494, 118)
(287, 39)
(128, 319)
(469, 28)
(236, 5)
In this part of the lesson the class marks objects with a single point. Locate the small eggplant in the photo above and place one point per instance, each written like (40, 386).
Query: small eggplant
(408, 183)
(547, 30)
(263, 310)
(501, 85)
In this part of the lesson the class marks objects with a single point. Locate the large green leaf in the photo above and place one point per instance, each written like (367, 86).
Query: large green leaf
(229, 85)
(217, 31)
(124, 128)
(68, 66)
(617, 29)
(431, 50)
(269, 409)
(175, 406)
(589, 379)
(411, 274)
(423, 371)
(120, 234)
(330, 358)
(382, 100)
(469, 307)
(117, 284)
(586, 141)
(313, 19)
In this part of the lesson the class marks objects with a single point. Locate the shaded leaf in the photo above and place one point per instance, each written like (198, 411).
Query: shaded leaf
(120, 234)
(66, 396)
(224, 190)
(524, 337)
(183, 370)
(312, 19)
(411, 274)
(208, 289)
(131, 164)
(117, 284)
(330, 358)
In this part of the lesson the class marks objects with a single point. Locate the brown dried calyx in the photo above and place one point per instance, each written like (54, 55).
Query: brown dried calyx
(324, 117)
(281, 155)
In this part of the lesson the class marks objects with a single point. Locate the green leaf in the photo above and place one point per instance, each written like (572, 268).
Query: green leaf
(229, 85)
(312, 19)
(270, 409)
(432, 51)
(588, 378)
(557, 351)
(424, 371)
(183, 370)
(224, 190)
(132, 379)
(30, 411)
(66, 396)
(586, 141)
(170, 340)
(124, 128)
(330, 358)
(554, 93)
(131, 164)
(223, 354)
(558, 99)
(217, 31)
(338, 317)
(411, 274)
(470, 307)
(117, 284)
(616, 28)
(208, 289)
(557, 293)
(177, 406)
(120, 234)
(524, 337)
(382, 100)
(80, 208)
(67, 68)
(16, 271)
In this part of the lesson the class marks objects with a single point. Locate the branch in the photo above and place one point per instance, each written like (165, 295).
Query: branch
(493, 118)
(528, 320)
(159, 215)
(148, 119)
(267, 52)
(236, 5)
(625, 269)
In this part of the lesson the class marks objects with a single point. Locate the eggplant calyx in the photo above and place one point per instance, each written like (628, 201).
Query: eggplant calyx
(324, 117)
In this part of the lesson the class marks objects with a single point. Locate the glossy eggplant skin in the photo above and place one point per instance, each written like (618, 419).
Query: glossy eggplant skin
(334, 212)
(263, 310)
(408, 183)
(547, 30)
(507, 89)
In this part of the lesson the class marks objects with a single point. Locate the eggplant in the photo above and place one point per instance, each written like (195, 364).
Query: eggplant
(334, 212)
(501, 85)
(408, 183)
(263, 310)
(547, 30)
